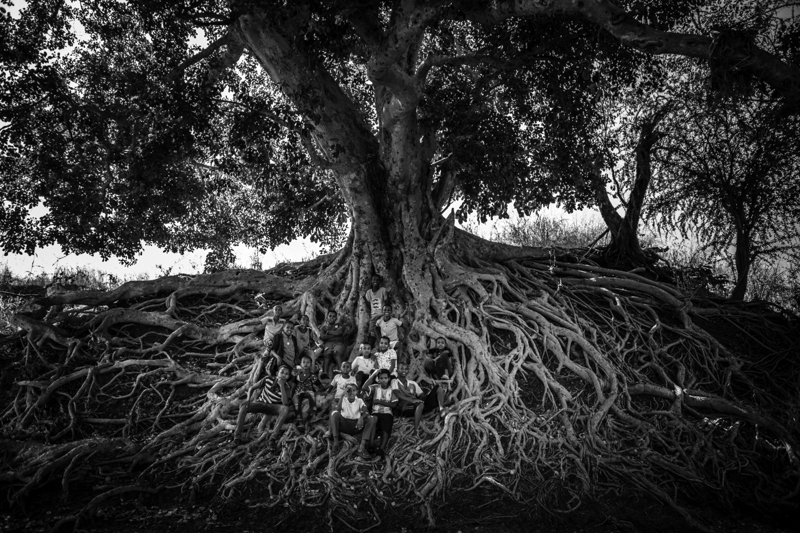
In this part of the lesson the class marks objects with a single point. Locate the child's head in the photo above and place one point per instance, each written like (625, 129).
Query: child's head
(441, 343)
(387, 312)
(305, 361)
(383, 344)
(288, 326)
(383, 377)
(376, 282)
(402, 368)
(331, 316)
(304, 321)
(277, 311)
(364, 349)
(350, 391)
(346, 366)
(284, 372)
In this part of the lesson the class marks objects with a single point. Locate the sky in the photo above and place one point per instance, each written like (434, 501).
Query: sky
(153, 262)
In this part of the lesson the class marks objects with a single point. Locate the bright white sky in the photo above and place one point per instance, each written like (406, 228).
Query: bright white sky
(153, 262)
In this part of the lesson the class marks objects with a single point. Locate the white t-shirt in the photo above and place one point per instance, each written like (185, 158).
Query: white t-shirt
(352, 410)
(362, 364)
(376, 301)
(388, 328)
(341, 383)
(384, 359)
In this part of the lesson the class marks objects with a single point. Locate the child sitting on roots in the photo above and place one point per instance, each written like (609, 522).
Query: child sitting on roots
(412, 400)
(340, 381)
(351, 417)
(304, 399)
(384, 401)
(385, 357)
(275, 399)
(364, 364)
(439, 361)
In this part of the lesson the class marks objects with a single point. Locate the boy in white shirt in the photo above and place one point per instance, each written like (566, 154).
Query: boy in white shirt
(340, 382)
(351, 417)
(364, 364)
(391, 327)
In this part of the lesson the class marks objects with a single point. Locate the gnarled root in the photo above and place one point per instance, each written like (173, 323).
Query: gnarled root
(569, 380)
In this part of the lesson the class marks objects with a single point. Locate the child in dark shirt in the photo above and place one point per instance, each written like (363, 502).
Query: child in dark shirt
(438, 361)
(304, 399)
(412, 400)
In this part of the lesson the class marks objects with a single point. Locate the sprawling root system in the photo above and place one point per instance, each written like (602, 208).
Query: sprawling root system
(571, 380)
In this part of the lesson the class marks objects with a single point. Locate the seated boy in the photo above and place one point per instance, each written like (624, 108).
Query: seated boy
(304, 337)
(306, 385)
(332, 335)
(391, 327)
(284, 346)
(376, 298)
(351, 417)
(364, 364)
(384, 401)
(275, 400)
(340, 381)
(273, 324)
(385, 357)
(412, 400)
(438, 361)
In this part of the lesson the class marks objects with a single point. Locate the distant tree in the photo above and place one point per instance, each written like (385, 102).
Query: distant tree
(731, 176)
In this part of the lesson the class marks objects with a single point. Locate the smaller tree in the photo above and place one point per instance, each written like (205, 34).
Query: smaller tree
(632, 141)
(730, 176)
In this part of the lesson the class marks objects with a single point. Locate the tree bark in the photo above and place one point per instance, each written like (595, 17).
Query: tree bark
(625, 247)
(743, 261)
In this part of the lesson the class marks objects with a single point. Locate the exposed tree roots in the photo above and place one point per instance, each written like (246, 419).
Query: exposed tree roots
(570, 380)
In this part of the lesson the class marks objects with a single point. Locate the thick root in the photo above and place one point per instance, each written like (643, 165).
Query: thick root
(570, 380)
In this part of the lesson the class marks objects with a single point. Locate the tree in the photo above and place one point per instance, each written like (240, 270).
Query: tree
(729, 176)
(294, 113)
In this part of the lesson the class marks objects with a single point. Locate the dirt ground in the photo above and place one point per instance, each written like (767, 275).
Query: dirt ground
(477, 511)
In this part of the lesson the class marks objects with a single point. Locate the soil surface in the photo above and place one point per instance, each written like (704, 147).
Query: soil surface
(482, 510)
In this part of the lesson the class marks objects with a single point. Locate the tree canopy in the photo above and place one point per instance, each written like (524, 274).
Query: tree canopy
(201, 124)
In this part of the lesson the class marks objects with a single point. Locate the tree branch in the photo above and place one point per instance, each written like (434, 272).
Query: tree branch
(208, 51)
(750, 59)
(480, 59)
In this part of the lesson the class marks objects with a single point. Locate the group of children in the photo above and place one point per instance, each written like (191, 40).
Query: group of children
(367, 393)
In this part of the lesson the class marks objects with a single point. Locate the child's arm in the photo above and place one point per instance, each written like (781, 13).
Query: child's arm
(362, 416)
(331, 385)
(402, 395)
(392, 403)
(337, 405)
(370, 380)
(401, 329)
(286, 393)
